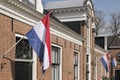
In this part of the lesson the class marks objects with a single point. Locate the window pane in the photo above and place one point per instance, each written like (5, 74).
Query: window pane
(53, 61)
(23, 49)
(87, 58)
(76, 58)
(23, 71)
(55, 55)
(118, 58)
(25, 1)
(32, 3)
(87, 67)
(87, 72)
(76, 71)
(55, 72)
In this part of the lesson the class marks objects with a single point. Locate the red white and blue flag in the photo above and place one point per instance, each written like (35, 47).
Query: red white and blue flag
(106, 61)
(114, 63)
(39, 39)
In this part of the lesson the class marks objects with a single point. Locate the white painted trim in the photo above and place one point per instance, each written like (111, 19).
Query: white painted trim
(24, 60)
(89, 45)
(90, 4)
(98, 50)
(5, 10)
(18, 35)
(65, 36)
(105, 41)
(71, 16)
(88, 52)
(60, 59)
(34, 75)
(73, 19)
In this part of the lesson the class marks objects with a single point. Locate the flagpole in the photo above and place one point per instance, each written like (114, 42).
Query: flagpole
(2, 56)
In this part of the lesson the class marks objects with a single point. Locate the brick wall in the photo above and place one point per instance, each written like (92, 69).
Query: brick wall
(6, 41)
(9, 27)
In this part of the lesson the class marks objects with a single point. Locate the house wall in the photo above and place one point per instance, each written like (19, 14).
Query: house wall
(6, 41)
(9, 27)
(100, 71)
(114, 52)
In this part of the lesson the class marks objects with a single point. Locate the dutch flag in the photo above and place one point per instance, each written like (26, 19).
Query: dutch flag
(106, 61)
(114, 63)
(39, 39)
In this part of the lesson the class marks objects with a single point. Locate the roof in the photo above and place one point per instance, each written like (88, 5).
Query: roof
(64, 4)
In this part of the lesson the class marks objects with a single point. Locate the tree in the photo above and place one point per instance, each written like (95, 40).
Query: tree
(100, 14)
(114, 29)
(114, 26)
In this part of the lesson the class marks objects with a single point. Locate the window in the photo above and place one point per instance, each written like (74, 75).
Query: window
(74, 25)
(24, 60)
(87, 72)
(87, 67)
(87, 59)
(31, 3)
(118, 57)
(23, 49)
(88, 21)
(23, 71)
(75, 65)
(55, 63)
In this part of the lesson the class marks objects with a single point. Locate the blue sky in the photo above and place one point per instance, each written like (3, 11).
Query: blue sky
(107, 6)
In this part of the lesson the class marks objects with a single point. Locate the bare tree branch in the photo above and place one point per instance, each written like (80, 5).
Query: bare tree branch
(100, 14)
(114, 26)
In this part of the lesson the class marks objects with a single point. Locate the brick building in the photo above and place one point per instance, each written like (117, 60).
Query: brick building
(112, 44)
(74, 53)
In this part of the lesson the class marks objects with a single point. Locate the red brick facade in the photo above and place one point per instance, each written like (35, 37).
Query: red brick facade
(9, 27)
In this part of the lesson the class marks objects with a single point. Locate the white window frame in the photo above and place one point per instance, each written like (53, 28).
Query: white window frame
(60, 60)
(78, 63)
(33, 60)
